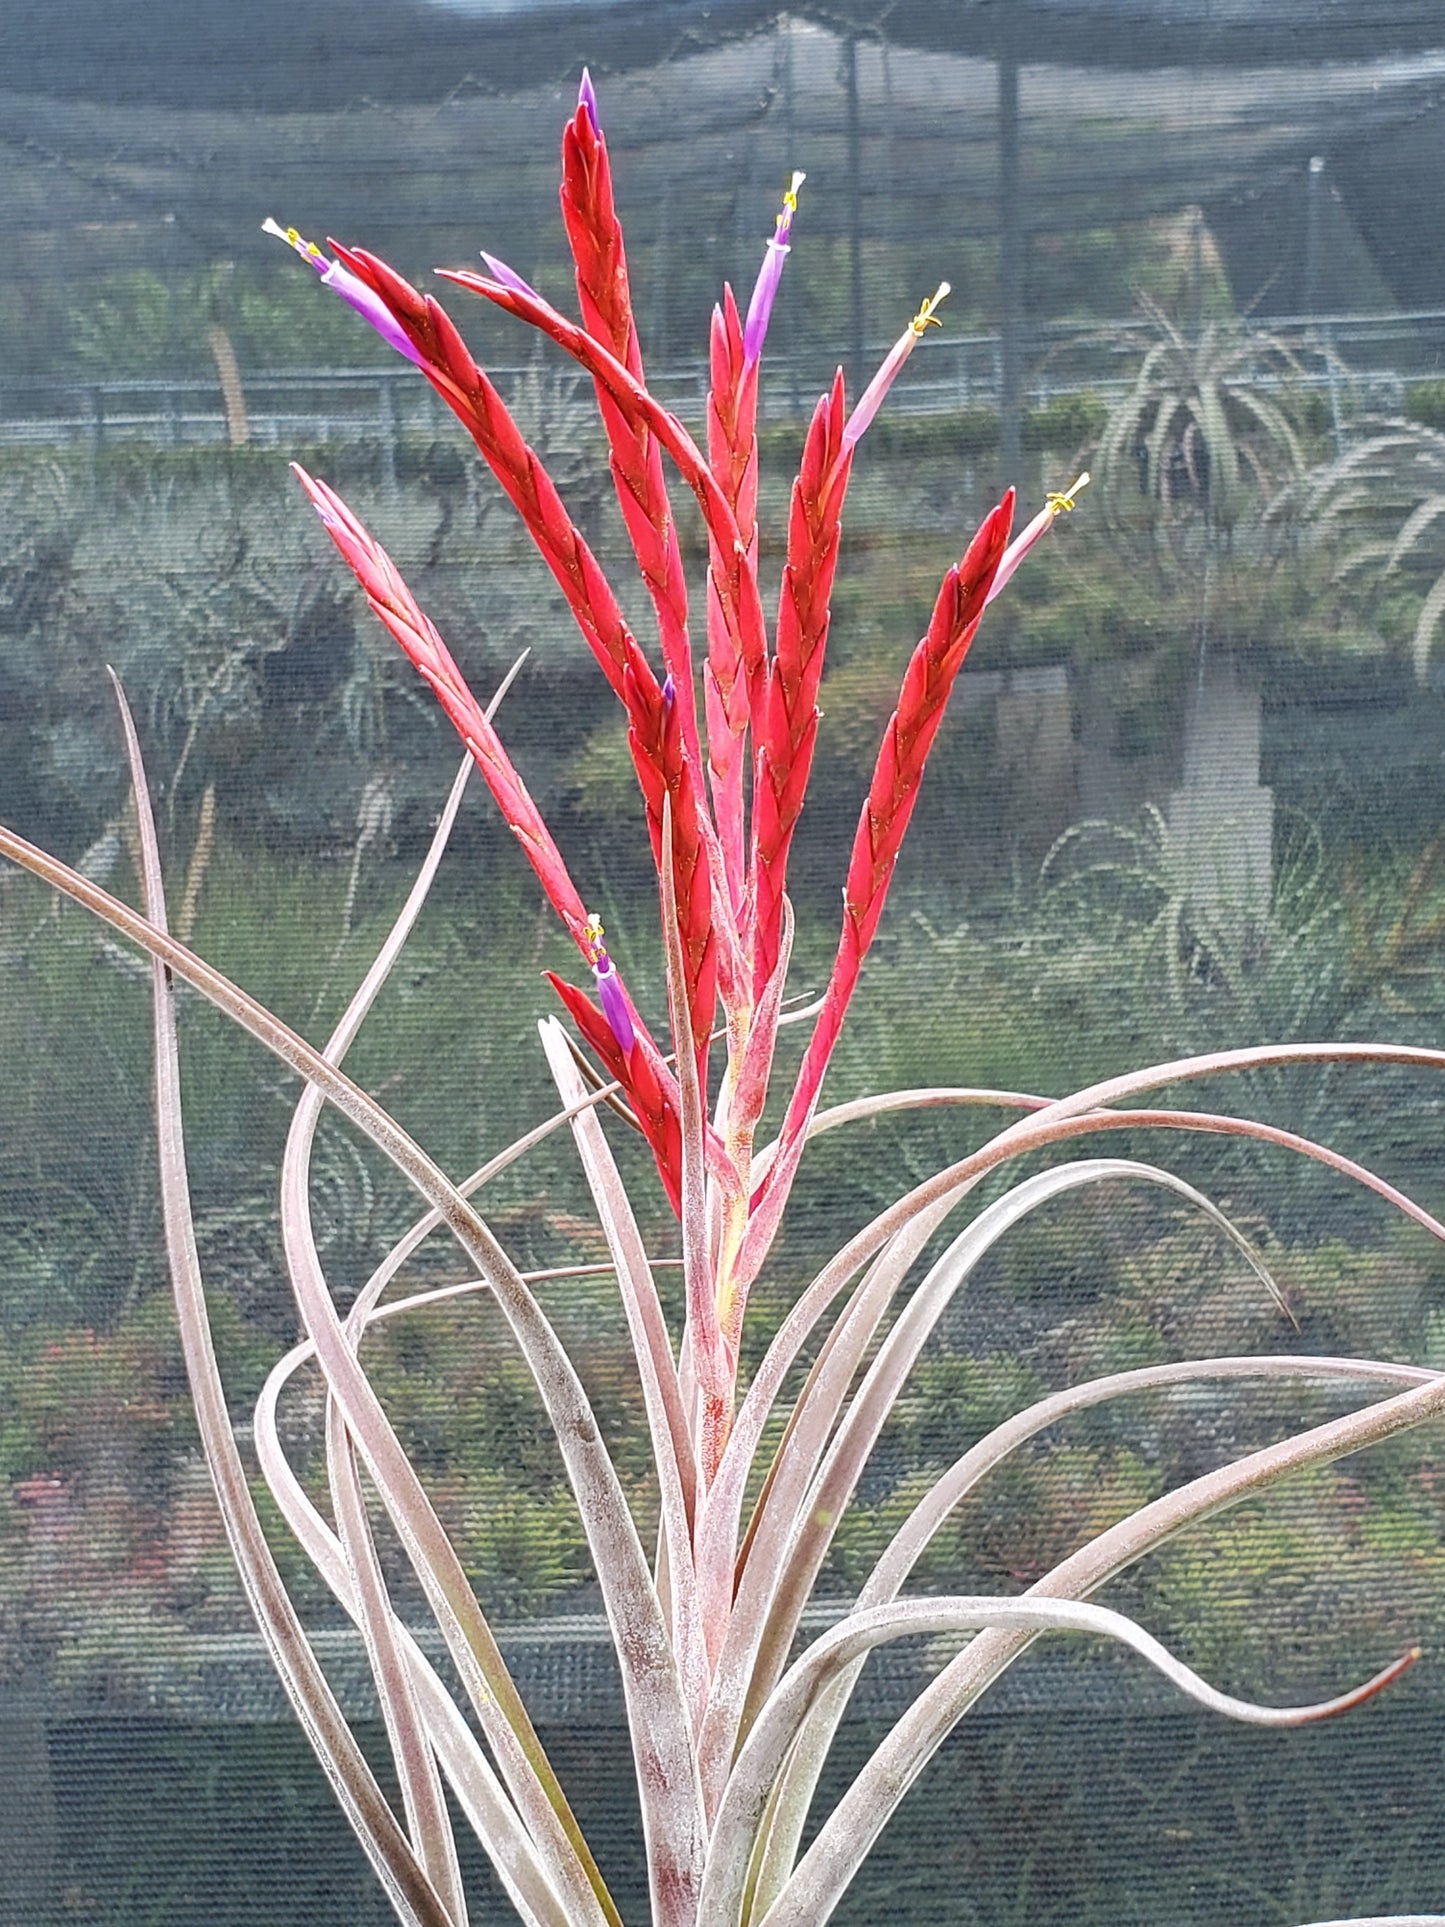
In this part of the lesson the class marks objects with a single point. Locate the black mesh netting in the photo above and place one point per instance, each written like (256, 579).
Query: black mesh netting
(1189, 796)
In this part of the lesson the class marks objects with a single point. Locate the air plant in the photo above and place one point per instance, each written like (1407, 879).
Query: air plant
(1377, 511)
(729, 1723)
(1204, 432)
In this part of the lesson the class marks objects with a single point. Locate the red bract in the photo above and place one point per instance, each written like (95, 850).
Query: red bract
(927, 685)
(640, 1070)
(788, 724)
(732, 451)
(595, 235)
(726, 804)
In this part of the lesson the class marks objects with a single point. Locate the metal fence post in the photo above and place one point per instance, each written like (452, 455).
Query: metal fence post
(389, 435)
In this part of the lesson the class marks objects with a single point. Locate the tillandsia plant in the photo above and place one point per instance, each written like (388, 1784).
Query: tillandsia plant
(729, 1723)
(1376, 511)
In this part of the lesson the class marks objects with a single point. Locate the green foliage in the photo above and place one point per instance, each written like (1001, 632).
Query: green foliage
(1049, 1001)
(77, 1197)
(130, 327)
(1104, 1287)
(1305, 1584)
(522, 1552)
(191, 574)
(1377, 513)
(1110, 963)
(142, 323)
(1202, 443)
(965, 431)
(1425, 403)
(108, 1513)
(1058, 426)
(1064, 423)
(1112, 960)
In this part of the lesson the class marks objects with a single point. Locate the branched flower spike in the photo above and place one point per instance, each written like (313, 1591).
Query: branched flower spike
(728, 897)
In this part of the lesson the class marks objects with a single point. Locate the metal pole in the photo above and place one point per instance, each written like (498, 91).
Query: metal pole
(173, 423)
(1314, 198)
(855, 210)
(390, 432)
(1314, 256)
(1010, 270)
(1196, 275)
(788, 333)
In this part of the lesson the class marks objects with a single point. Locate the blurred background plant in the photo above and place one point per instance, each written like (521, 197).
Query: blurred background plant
(1378, 513)
(1216, 420)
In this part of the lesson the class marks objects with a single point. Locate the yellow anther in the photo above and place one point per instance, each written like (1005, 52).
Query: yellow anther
(790, 199)
(1060, 500)
(293, 238)
(592, 936)
(926, 317)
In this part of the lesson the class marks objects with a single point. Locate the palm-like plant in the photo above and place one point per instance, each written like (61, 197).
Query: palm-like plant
(1204, 433)
(1379, 512)
(728, 1727)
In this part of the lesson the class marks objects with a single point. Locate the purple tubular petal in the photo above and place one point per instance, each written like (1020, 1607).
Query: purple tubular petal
(587, 98)
(871, 400)
(1019, 548)
(760, 307)
(614, 1003)
(370, 307)
(508, 277)
(1059, 502)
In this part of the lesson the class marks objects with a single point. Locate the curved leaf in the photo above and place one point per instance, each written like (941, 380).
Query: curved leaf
(855, 1823)
(480, 1795)
(884, 1583)
(667, 1775)
(812, 1521)
(853, 1638)
(402, 1876)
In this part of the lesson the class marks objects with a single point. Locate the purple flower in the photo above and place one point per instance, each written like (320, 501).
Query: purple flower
(587, 99)
(611, 995)
(614, 1003)
(508, 277)
(368, 304)
(1058, 503)
(871, 399)
(760, 307)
